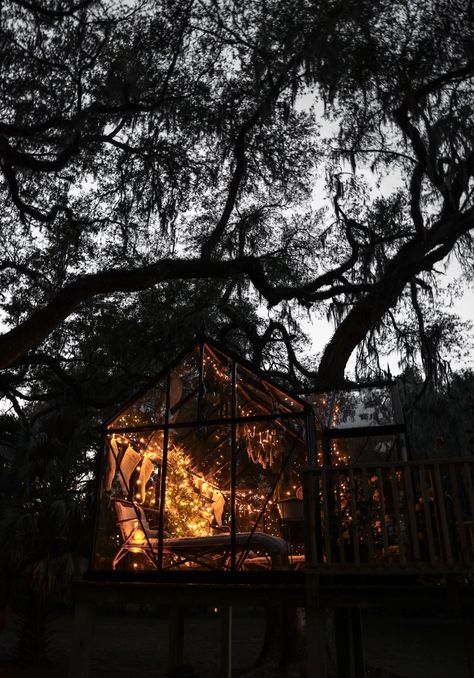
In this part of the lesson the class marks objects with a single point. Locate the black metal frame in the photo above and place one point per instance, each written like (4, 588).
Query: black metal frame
(328, 433)
(174, 363)
(305, 416)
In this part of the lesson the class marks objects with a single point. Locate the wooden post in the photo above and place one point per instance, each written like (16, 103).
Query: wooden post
(445, 550)
(468, 634)
(358, 643)
(316, 650)
(344, 651)
(225, 656)
(399, 419)
(368, 526)
(349, 644)
(175, 637)
(82, 642)
(458, 515)
(312, 519)
(315, 630)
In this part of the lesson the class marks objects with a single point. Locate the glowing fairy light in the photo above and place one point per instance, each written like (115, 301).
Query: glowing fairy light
(185, 515)
(187, 512)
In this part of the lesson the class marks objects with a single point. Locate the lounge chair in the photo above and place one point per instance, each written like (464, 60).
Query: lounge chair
(136, 533)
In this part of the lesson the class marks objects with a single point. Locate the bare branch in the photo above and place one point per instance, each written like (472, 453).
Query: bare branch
(29, 161)
(39, 8)
(24, 208)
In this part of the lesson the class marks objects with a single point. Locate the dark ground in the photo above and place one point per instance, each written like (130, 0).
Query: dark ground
(134, 644)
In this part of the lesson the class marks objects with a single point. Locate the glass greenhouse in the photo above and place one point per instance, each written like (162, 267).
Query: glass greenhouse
(359, 425)
(202, 470)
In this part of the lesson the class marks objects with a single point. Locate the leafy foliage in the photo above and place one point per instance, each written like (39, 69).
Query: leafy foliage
(169, 165)
(440, 422)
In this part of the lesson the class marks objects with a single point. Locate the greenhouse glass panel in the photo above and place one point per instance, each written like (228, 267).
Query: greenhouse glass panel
(269, 498)
(368, 449)
(197, 498)
(354, 408)
(216, 401)
(148, 409)
(184, 389)
(187, 484)
(256, 396)
(129, 501)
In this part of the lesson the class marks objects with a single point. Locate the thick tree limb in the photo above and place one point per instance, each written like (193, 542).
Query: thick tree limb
(414, 257)
(20, 268)
(40, 9)
(425, 350)
(93, 111)
(234, 185)
(17, 158)
(461, 73)
(415, 198)
(43, 321)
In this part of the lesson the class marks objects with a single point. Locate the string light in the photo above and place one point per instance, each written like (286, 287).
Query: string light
(188, 509)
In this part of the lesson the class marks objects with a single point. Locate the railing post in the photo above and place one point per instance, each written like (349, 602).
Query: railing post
(311, 439)
(399, 418)
(316, 646)
(429, 503)
(225, 657)
(443, 530)
(175, 637)
(312, 517)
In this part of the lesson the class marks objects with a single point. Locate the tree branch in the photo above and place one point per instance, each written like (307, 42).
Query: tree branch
(235, 182)
(39, 8)
(23, 207)
(414, 257)
(28, 161)
(274, 90)
(43, 321)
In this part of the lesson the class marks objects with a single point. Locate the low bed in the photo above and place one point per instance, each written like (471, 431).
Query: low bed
(256, 550)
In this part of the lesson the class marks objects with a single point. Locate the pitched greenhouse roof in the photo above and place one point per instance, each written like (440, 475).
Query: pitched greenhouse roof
(200, 383)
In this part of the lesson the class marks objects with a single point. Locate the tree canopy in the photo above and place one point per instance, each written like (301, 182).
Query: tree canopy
(169, 163)
(159, 163)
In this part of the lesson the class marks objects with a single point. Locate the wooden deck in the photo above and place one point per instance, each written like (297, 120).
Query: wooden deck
(413, 518)
(389, 535)
(317, 593)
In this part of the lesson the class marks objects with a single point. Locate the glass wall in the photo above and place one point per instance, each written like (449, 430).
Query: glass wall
(359, 426)
(203, 471)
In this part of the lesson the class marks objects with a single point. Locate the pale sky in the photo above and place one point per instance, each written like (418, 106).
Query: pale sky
(320, 330)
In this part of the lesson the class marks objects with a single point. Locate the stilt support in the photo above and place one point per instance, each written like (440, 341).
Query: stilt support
(83, 639)
(225, 657)
(316, 647)
(175, 638)
(349, 643)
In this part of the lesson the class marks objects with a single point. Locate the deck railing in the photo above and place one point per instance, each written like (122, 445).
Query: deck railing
(401, 517)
